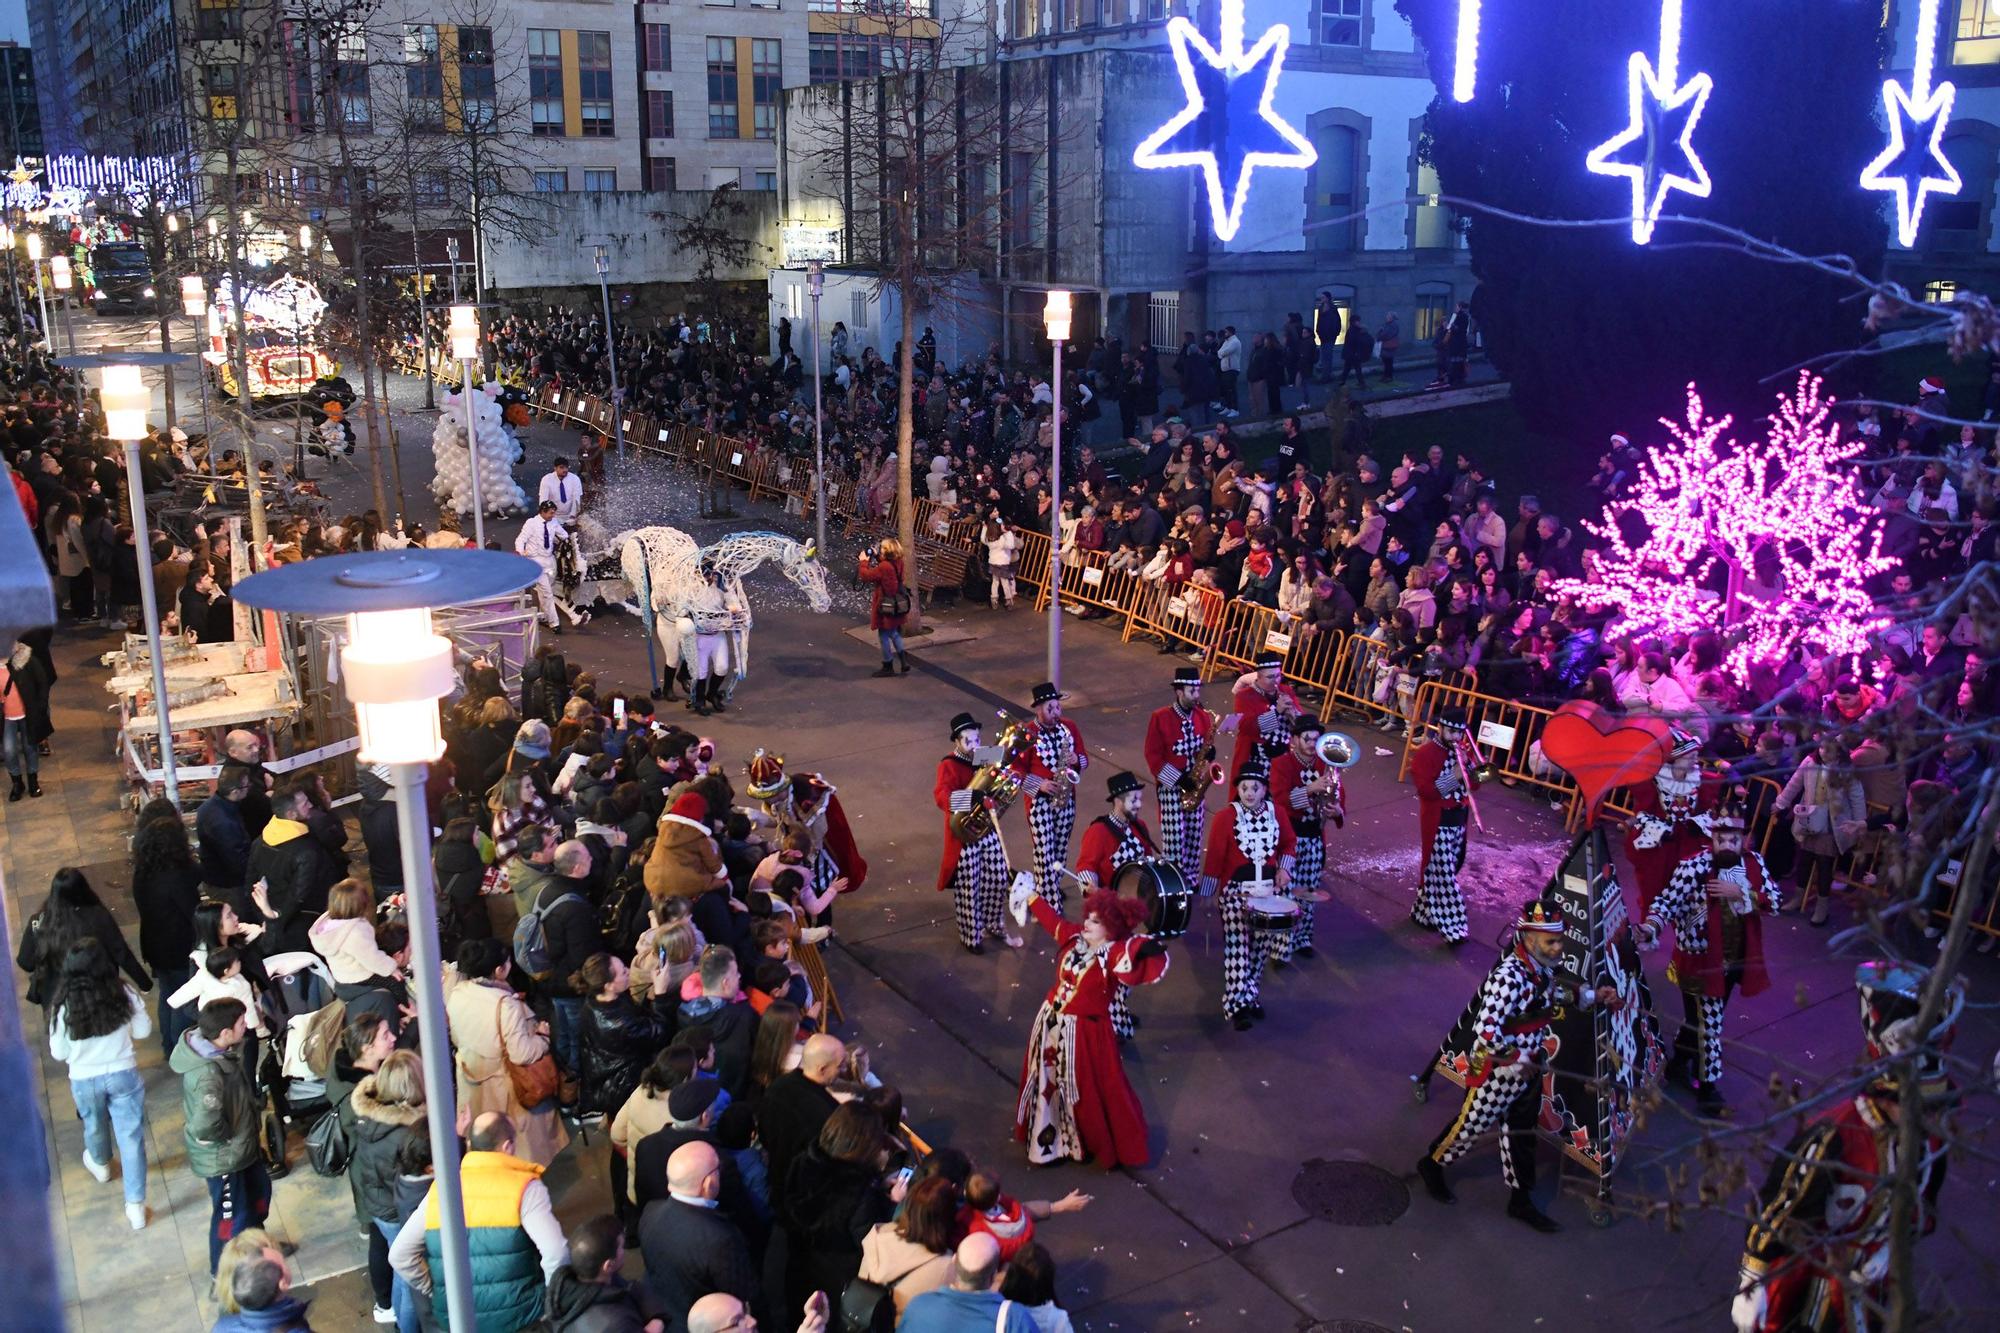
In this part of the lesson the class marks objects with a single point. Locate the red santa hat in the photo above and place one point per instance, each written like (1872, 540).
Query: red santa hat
(691, 805)
(1929, 385)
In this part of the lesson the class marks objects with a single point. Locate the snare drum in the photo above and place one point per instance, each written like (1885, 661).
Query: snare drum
(1268, 911)
(1159, 884)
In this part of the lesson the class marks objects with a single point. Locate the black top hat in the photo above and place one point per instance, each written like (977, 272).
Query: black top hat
(1187, 675)
(1269, 658)
(1256, 769)
(1451, 719)
(1047, 693)
(963, 722)
(1118, 784)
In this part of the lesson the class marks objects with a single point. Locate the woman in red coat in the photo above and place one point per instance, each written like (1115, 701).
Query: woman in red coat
(1075, 1099)
(884, 569)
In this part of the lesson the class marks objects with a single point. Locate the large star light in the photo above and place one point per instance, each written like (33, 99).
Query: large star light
(1228, 127)
(1914, 164)
(1655, 151)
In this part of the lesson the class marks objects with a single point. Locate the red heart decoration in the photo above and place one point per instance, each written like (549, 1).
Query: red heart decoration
(1603, 750)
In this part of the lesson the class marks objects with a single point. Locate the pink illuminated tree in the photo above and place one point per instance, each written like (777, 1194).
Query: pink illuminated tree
(1768, 542)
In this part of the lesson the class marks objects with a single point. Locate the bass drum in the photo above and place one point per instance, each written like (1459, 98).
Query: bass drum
(1159, 884)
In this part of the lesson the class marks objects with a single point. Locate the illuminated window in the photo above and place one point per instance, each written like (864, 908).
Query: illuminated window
(1433, 309)
(350, 66)
(1941, 292)
(1978, 37)
(423, 76)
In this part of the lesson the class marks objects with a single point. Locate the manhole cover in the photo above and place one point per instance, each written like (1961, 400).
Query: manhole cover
(1350, 1194)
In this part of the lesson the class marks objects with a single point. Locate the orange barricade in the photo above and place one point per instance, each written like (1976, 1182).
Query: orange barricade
(1507, 732)
(1181, 617)
(1245, 628)
(1031, 562)
(1089, 581)
(1352, 681)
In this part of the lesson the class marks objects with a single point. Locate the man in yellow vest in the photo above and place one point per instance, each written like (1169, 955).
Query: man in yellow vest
(513, 1239)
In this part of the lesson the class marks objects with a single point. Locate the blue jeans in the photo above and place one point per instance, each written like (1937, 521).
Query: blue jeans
(115, 1105)
(892, 642)
(568, 1030)
(403, 1298)
(22, 756)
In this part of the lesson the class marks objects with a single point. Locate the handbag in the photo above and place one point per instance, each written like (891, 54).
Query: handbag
(327, 1145)
(870, 1307)
(535, 1082)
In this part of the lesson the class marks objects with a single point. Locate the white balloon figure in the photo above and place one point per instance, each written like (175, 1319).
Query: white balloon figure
(496, 454)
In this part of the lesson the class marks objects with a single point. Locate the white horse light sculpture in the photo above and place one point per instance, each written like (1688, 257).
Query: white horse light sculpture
(663, 566)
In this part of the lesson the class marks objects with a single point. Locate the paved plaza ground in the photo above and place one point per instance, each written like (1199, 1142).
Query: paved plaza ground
(1216, 1232)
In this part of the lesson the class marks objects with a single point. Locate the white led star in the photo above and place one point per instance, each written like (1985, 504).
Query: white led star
(1231, 62)
(1654, 100)
(1926, 110)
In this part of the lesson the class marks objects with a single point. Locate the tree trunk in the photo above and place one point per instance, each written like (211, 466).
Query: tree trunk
(906, 434)
(362, 340)
(260, 532)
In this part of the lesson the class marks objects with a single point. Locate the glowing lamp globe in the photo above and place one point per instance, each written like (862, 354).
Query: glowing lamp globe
(194, 296)
(59, 274)
(35, 246)
(395, 666)
(465, 333)
(1055, 316)
(125, 398)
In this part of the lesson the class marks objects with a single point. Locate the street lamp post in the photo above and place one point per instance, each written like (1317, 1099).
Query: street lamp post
(60, 278)
(451, 253)
(815, 284)
(41, 291)
(396, 667)
(1055, 317)
(126, 398)
(194, 304)
(13, 276)
(603, 262)
(465, 348)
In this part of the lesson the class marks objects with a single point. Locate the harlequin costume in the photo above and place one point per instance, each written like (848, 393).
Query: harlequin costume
(1264, 728)
(1824, 1213)
(975, 874)
(1110, 841)
(1670, 818)
(1075, 1099)
(1178, 737)
(1246, 846)
(1054, 749)
(1503, 1036)
(1444, 800)
(1309, 814)
(1718, 947)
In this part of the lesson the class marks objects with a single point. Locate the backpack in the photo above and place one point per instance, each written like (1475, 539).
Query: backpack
(327, 1146)
(531, 937)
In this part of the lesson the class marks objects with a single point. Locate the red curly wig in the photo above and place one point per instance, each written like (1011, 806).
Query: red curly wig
(1120, 916)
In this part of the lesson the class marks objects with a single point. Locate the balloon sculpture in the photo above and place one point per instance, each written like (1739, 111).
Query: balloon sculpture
(496, 454)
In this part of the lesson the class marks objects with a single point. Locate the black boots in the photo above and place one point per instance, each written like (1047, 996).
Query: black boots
(34, 784)
(904, 658)
(888, 668)
(19, 787)
(1432, 1176)
(698, 697)
(1521, 1207)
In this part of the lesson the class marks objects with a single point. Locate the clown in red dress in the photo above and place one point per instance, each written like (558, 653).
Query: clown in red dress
(1670, 817)
(1076, 1102)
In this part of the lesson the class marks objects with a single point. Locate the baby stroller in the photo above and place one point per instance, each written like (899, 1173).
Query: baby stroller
(301, 988)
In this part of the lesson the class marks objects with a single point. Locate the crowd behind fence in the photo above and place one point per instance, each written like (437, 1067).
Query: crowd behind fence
(1345, 671)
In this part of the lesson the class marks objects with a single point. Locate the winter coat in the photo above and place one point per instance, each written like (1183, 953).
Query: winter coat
(224, 842)
(218, 1107)
(31, 679)
(1838, 805)
(299, 870)
(685, 862)
(483, 1014)
(285, 1315)
(887, 576)
(829, 1208)
(733, 1025)
(379, 1131)
(571, 929)
(381, 836)
(619, 1040)
(461, 906)
(576, 1306)
(544, 688)
(166, 900)
(348, 945)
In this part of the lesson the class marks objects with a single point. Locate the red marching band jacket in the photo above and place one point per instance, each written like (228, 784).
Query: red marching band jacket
(1029, 762)
(1674, 834)
(1288, 775)
(1223, 858)
(1251, 705)
(1700, 962)
(1100, 844)
(1427, 771)
(953, 774)
(1163, 734)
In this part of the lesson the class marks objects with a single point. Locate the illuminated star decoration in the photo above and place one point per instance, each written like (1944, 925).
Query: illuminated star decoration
(1914, 164)
(1228, 127)
(1663, 114)
(1465, 61)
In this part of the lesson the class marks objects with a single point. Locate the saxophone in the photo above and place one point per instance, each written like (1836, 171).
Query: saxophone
(1202, 773)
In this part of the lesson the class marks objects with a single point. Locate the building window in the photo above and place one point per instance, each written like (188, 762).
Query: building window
(766, 78)
(1941, 292)
(350, 64)
(1338, 22)
(477, 105)
(1434, 229)
(551, 182)
(600, 180)
(1433, 309)
(429, 189)
(831, 57)
(1331, 221)
(1978, 38)
(218, 20)
(657, 50)
(659, 114)
(722, 118)
(767, 180)
(593, 78)
(222, 81)
(857, 310)
(660, 174)
(545, 81)
(423, 76)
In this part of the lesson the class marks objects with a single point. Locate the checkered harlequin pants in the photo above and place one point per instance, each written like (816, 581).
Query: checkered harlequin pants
(1310, 858)
(1510, 1095)
(1180, 832)
(1243, 951)
(1699, 1041)
(1439, 903)
(979, 890)
(1050, 824)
